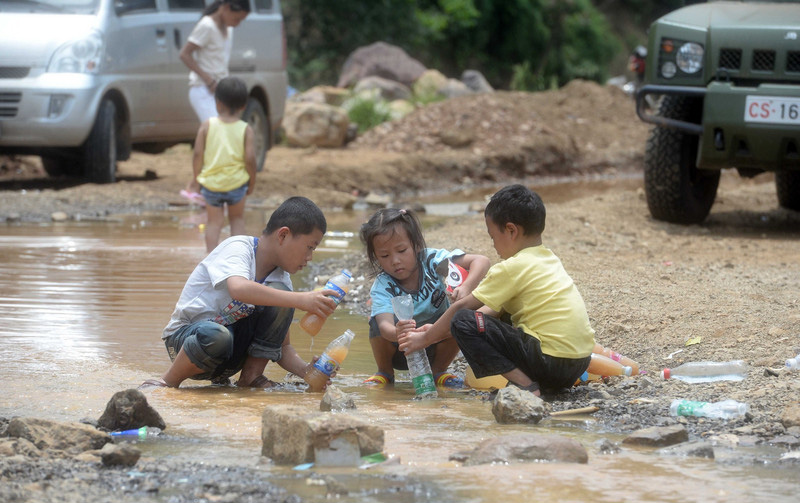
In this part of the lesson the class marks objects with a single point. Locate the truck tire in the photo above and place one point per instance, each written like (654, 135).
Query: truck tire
(676, 190)
(100, 149)
(787, 185)
(255, 116)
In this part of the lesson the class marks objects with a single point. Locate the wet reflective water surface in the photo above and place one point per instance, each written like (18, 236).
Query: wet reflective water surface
(83, 306)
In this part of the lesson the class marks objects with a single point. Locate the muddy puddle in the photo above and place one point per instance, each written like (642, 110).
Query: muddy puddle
(83, 305)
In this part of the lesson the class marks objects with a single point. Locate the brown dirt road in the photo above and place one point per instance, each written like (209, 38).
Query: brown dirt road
(650, 287)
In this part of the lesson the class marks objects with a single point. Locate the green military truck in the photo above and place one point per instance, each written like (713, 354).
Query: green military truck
(727, 79)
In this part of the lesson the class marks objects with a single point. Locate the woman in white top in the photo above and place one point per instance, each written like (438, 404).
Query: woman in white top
(208, 50)
(206, 53)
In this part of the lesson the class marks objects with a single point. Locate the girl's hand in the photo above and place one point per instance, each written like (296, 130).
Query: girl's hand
(404, 326)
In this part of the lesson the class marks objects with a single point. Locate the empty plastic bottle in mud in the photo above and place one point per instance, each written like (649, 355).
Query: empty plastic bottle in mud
(725, 409)
(697, 372)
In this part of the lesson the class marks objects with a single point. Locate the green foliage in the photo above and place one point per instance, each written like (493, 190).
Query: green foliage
(519, 44)
(367, 111)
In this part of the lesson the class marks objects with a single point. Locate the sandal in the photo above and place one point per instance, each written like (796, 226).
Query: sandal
(379, 380)
(259, 382)
(153, 383)
(448, 380)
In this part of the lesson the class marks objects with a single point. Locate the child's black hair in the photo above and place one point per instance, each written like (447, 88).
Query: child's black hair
(387, 221)
(299, 214)
(232, 93)
(235, 6)
(518, 205)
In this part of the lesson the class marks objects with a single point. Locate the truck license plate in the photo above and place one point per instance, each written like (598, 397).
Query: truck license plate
(772, 110)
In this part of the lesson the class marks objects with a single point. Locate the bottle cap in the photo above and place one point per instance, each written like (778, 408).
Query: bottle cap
(665, 374)
(627, 370)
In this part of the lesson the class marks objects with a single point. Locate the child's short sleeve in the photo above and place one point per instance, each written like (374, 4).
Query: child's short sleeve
(202, 32)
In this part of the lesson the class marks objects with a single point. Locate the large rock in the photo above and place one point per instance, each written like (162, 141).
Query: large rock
(54, 435)
(128, 410)
(388, 89)
(525, 448)
(513, 405)
(291, 434)
(475, 80)
(309, 124)
(658, 436)
(327, 95)
(791, 416)
(382, 60)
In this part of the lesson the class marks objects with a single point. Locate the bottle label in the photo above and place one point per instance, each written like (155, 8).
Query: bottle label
(424, 384)
(339, 295)
(325, 364)
(689, 408)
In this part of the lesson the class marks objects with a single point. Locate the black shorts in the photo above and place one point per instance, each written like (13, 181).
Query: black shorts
(493, 347)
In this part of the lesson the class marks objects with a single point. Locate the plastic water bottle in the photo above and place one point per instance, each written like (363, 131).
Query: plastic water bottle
(696, 372)
(793, 363)
(725, 409)
(318, 375)
(622, 359)
(605, 366)
(340, 283)
(418, 365)
(138, 433)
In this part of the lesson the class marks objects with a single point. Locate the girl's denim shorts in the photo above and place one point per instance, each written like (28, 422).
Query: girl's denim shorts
(221, 198)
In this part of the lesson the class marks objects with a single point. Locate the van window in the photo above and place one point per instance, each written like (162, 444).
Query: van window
(124, 6)
(186, 5)
(263, 5)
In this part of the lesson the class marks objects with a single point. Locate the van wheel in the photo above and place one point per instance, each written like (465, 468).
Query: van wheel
(787, 185)
(676, 190)
(100, 149)
(255, 116)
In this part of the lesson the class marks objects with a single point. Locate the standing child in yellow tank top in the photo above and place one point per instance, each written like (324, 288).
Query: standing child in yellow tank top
(224, 161)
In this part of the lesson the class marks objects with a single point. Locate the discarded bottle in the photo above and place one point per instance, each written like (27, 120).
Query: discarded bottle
(587, 377)
(340, 283)
(725, 409)
(793, 363)
(418, 365)
(624, 360)
(452, 274)
(696, 372)
(605, 366)
(139, 433)
(334, 355)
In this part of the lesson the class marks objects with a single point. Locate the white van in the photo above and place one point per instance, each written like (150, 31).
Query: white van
(83, 82)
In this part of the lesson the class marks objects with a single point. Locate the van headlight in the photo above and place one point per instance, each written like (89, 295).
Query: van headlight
(690, 57)
(79, 56)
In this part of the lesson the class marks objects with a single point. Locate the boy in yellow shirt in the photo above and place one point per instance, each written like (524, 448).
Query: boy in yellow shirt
(549, 340)
(224, 161)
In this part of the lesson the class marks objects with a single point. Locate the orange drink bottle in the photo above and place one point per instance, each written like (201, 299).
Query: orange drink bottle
(605, 366)
(340, 283)
(624, 360)
(318, 375)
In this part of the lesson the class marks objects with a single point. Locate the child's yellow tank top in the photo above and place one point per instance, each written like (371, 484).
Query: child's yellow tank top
(223, 158)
